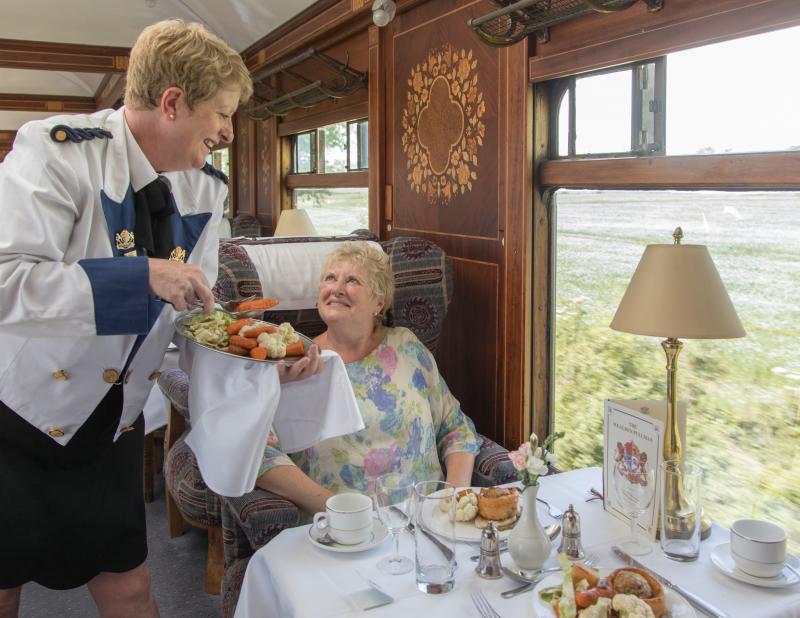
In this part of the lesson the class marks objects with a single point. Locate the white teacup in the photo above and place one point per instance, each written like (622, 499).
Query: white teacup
(758, 547)
(347, 518)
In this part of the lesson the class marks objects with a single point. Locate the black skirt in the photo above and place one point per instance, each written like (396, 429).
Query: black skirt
(70, 512)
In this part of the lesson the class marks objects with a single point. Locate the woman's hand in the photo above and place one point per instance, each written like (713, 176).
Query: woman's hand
(309, 365)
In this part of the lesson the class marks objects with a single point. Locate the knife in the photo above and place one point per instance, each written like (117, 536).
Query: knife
(696, 601)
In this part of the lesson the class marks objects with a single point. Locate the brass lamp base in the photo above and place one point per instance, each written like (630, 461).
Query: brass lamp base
(705, 525)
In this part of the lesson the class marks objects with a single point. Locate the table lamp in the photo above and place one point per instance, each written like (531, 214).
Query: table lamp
(295, 222)
(675, 292)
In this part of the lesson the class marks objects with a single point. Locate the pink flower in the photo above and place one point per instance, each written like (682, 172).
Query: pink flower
(387, 357)
(380, 461)
(517, 459)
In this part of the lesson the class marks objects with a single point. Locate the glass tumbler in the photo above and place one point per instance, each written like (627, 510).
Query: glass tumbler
(434, 536)
(681, 510)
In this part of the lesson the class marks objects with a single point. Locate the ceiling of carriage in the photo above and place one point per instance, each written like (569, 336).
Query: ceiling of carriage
(29, 93)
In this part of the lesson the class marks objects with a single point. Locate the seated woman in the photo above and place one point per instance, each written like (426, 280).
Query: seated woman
(410, 416)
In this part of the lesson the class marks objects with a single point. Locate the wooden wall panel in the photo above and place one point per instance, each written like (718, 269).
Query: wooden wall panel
(244, 161)
(6, 142)
(456, 136)
(470, 345)
(445, 147)
(598, 41)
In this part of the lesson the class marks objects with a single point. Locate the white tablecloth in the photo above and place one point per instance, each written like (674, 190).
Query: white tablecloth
(290, 577)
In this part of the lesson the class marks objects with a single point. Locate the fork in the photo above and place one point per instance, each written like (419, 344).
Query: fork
(483, 606)
(588, 560)
(554, 512)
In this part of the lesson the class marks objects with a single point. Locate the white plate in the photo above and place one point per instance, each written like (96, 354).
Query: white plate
(722, 559)
(677, 606)
(377, 537)
(465, 530)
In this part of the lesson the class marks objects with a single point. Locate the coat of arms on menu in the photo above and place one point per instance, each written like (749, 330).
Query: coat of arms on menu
(633, 441)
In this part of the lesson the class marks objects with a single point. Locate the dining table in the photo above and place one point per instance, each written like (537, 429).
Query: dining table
(292, 576)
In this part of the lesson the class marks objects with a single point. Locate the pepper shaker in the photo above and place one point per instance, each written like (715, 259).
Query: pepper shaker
(489, 562)
(571, 535)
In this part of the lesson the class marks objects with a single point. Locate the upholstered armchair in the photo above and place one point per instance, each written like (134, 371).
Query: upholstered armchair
(423, 280)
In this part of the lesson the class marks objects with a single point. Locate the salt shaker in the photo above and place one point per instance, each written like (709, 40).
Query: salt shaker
(489, 562)
(571, 535)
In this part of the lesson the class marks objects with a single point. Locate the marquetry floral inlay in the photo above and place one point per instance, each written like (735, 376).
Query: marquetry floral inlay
(442, 124)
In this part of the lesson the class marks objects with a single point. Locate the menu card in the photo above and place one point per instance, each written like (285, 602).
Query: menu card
(634, 438)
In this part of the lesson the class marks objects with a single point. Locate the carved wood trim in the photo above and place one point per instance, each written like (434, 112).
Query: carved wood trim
(63, 57)
(6, 142)
(542, 365)
(379, 200)
(748, 171)
(597, 41)
(345, 179)
(339, 114)
(46, 103)
(111, 90)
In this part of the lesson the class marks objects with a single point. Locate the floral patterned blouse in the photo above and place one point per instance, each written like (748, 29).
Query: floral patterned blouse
(410, 419)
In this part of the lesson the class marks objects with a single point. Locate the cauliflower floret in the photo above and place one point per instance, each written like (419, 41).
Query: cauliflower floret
(287, 332)
(466, 505)
(598, 610)
(630, 606)
(273, 343)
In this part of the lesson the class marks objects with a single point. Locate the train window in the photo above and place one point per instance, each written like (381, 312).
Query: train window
(744, 394)
(732, 98)
(328, 176)
(736, 96)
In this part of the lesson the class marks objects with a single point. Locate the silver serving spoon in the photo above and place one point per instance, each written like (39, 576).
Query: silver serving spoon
(552, 531)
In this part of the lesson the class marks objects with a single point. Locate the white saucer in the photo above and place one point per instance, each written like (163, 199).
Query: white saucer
(377, 537)
(722, 559)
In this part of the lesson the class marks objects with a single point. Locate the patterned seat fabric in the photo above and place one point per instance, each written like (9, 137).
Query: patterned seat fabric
(245, 225)
(186, 485)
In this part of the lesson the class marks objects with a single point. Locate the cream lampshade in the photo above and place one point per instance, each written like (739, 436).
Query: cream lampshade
(675, 292)
(295, 222)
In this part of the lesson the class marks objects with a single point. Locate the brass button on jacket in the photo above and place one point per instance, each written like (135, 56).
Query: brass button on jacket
(154, 376)
(55, 432)
(111, 376)
(60, 375)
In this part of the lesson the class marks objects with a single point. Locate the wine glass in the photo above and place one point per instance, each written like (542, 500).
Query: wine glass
(393, 498)
(634, 486)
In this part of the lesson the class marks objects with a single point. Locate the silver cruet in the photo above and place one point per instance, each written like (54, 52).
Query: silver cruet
(571, 535)
(489, 562)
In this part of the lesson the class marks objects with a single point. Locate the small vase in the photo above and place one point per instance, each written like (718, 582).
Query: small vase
(527, 543)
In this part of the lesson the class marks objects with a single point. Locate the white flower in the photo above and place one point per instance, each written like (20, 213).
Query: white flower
(550, 458)
(536, 466)
(538, 453)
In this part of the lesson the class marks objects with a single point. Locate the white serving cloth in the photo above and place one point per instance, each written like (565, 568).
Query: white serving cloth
(290, 272)
(281, 573)
(233, 403)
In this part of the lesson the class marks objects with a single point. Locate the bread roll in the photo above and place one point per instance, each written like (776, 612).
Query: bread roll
(628, 580)
(498, 503)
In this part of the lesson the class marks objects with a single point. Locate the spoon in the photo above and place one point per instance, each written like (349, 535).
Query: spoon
(552, 531)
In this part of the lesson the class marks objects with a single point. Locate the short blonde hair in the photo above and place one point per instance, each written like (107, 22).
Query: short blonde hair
(174, 53)
(375, 264)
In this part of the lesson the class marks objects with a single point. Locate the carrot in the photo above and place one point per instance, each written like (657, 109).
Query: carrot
(235, 349)
(234, 328)
(257, 303)
(243, 342)
(295, 349)
(259, 353)
(254, 332)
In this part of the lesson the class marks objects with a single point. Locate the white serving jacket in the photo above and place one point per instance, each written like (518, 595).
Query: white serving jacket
(52, 361)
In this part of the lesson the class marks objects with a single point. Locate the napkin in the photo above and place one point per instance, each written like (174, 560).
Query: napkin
(233, 403)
